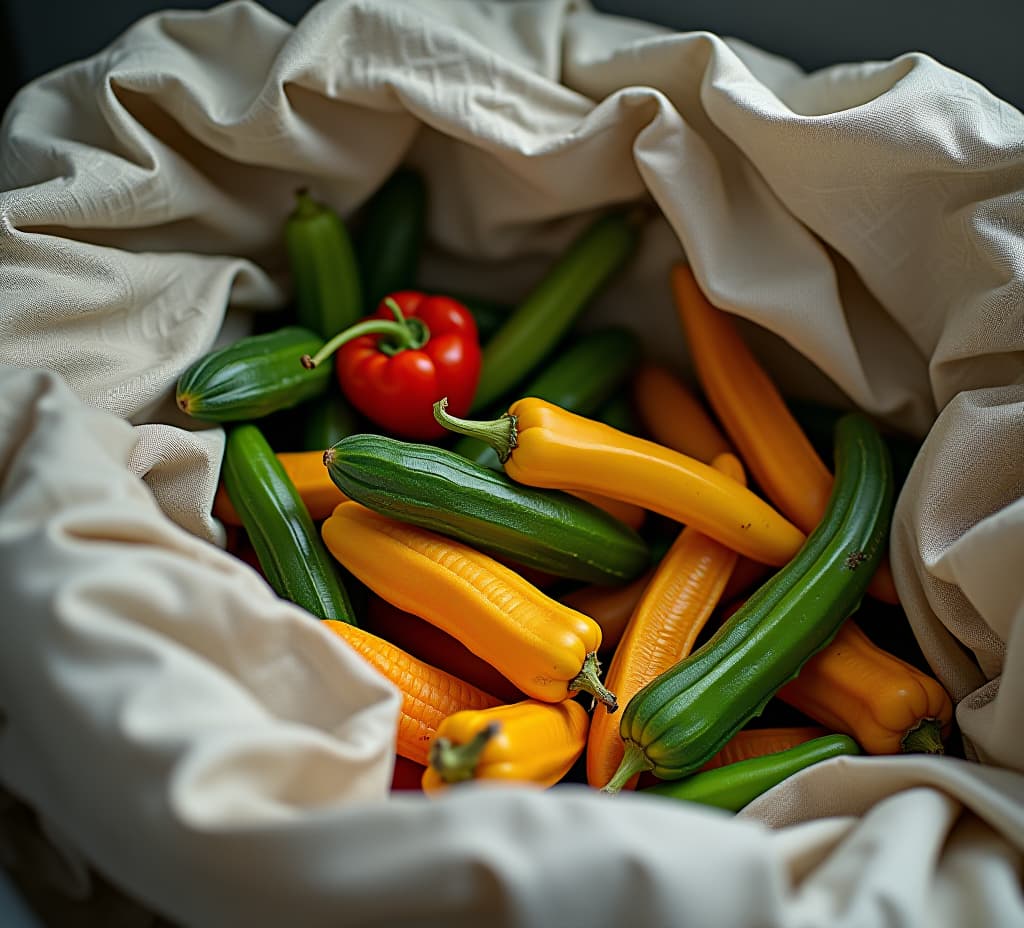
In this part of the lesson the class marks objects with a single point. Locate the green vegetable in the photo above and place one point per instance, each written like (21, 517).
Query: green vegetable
(620, 414)
(390, 236)
(253, 377)
(489, 315)
(328, 419)
(581, 379)
(325, 276)
(818, 422)
(289, 548)
(734, 785)
(682, 717)
(441, 491)
(538, 323)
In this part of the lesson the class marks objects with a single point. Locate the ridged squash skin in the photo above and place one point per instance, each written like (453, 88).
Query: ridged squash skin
(253, 377)
(683, 717)
(442, 491)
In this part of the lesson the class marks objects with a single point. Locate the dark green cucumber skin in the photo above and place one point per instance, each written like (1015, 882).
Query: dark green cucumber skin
(733, 786)
(489, 315)
(253, 377)
(619, 413)
(324, 270)
(581, 379)
(289, 548)
(390, 236)
(537, 324)
(441, 491)
(684, 716)
(818, 422)
(328, 419)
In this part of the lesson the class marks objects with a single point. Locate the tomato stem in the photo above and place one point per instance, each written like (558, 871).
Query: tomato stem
(456, 763)
(405, 333)
(501, 433)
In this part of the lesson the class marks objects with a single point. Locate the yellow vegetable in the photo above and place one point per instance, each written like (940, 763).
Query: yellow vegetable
(543, 445)
(527, 742)
(546, 649)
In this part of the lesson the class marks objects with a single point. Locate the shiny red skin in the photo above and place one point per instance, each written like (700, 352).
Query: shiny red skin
(398, 392)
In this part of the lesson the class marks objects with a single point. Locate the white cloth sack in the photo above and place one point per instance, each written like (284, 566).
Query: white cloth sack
(226, 760)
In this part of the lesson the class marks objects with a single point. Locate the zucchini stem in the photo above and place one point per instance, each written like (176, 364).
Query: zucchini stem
(924, 738)
(305, 206)
(634, 761)
(456, 763)
(501, 433)
(588, 680)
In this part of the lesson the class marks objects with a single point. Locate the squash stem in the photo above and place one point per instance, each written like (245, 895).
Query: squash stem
(305, 206)
(634, 761)
(923, 738)
(404, 333)
(501, 433)
(456, 763)
(588, 680)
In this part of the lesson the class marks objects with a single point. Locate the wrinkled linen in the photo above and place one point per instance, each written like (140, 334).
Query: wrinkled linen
(227, 761)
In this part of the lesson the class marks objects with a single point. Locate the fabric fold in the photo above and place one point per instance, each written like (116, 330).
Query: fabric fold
(862, 223)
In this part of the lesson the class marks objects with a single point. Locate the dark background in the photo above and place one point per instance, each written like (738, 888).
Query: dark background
(981, 39)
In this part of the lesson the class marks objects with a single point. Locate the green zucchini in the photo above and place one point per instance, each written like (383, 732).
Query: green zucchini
(818, 421)
(620, 413)
(253, 377)
(328, 419)
(441, 491)
(489, 315)
(733, 786)
(390, 236)
(288, 546)
(537, 324)
(591, 369)
(681, 718)
(325, 274)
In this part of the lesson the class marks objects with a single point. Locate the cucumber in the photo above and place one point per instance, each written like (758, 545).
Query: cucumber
(590, 370)
(325, 275)
(328, 419)
(535, 326)
(735, 785)
(681, 718)
(620, 414)
(489, 315)
(818, 421)
(441, 491)
(390, 236)
(253, 377)
(288, 546)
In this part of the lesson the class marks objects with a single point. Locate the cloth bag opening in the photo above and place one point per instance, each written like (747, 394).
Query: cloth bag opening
(206, 746)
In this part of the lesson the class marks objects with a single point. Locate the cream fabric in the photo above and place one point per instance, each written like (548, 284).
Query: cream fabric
(224, 758)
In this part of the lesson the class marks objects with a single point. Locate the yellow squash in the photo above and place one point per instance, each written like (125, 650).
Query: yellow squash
(673, 609)
(429, 694)
(545, 648)
(543, 445)
(526, 742)
(885, 704)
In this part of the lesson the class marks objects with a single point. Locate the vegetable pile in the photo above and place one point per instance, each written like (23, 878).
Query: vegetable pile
(574, 564)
